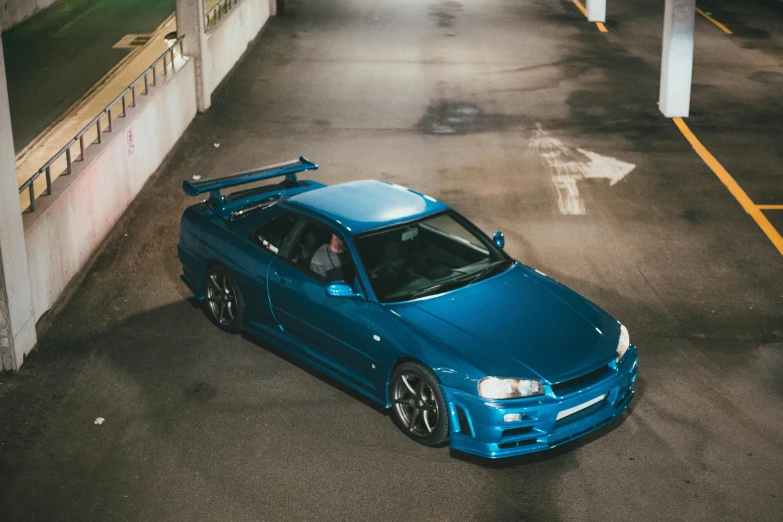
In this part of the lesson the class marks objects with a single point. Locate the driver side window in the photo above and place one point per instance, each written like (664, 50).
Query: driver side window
(320, 252)
(272, 233)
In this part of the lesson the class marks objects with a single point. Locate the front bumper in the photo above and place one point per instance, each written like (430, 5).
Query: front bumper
(477, 424)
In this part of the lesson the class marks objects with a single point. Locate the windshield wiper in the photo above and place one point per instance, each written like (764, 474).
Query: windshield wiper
(434, 288)
(485, 272)
(452, 283)
(456, 283)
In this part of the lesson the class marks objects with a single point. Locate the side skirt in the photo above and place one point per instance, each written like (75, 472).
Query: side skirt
(303, 353)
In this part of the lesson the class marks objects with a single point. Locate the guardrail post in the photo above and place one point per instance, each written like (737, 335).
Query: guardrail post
(49, 181)
(146, 84)
(98, 125)
(154, 76)
(124, 108)
(81, 147)
(133, 95)
(68, 160)
(31, 195)
(164, 66)
(108, 114)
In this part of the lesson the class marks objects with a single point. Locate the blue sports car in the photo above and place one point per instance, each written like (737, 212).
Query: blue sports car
(402, 299)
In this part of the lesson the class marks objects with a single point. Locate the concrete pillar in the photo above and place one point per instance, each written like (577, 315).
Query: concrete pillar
(190, 22)
(677, 60)
(596, 10)
(272, 7)
(17, 323)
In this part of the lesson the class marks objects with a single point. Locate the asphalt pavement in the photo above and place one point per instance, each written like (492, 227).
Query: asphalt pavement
(55, 57)
(461, 100)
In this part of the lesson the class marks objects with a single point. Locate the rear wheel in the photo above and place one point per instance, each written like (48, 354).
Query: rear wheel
(223, 299)
(418, 405)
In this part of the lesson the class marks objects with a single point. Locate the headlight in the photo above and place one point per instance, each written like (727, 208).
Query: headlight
(623, 343)
(496, 388)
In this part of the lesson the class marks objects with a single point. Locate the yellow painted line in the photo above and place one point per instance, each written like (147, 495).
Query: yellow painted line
(602, 27)
(714, 21)
(770, 207)
(736, 191)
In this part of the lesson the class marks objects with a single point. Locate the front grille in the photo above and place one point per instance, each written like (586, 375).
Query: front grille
(516, 432)
(580, 414)
(576, 384)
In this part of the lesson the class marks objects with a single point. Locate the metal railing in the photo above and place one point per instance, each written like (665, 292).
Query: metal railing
(96, 123)
(214, 15)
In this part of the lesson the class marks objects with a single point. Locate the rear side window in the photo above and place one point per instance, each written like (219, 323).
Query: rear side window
(272, 234)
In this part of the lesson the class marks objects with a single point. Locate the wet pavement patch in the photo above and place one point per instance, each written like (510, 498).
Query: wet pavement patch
(692, 215)
(200, 392)
(450, 117)
(766, 77)
(445, 13)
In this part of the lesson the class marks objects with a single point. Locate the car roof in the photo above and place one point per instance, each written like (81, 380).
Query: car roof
(360, 206)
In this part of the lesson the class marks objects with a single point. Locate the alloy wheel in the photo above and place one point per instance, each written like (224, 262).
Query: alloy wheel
(415, 404)
(222, 298)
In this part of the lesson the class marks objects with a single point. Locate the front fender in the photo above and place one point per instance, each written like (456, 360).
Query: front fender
(393, 339)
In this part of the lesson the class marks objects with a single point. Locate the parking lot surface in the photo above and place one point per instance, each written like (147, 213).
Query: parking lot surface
(467, 101)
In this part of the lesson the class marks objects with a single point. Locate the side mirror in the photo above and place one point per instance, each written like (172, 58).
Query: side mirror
(500, 239)
(340, 289)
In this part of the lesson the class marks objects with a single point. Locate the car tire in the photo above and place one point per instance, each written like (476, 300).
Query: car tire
(418, 405)
(223, 299)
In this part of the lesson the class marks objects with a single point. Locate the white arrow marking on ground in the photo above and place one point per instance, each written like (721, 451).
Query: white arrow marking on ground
(605, 167)
(566, 170)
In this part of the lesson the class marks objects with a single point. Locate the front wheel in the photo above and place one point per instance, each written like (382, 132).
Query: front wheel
(223, 299)
(418, 405)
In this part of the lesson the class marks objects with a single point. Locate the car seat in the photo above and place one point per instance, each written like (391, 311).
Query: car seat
(305, 250)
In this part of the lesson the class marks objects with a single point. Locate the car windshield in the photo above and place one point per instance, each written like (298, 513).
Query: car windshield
(427, 257)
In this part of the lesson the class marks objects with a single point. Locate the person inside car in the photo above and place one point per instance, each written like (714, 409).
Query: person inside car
(329, 259)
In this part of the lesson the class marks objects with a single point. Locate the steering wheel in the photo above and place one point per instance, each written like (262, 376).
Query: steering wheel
(386, 269)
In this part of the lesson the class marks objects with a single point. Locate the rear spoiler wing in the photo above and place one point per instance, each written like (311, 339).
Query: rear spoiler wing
(214, 186)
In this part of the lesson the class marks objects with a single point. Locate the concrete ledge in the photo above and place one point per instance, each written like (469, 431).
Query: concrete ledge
(70, 224)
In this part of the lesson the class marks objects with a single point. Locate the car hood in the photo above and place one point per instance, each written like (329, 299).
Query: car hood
(519, 324)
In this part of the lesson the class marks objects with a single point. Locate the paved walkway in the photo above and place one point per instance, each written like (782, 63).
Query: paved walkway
(55, 57)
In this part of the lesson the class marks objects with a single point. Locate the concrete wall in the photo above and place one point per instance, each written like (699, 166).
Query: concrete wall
(69, 225)
(14, 11)
(227, 42)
